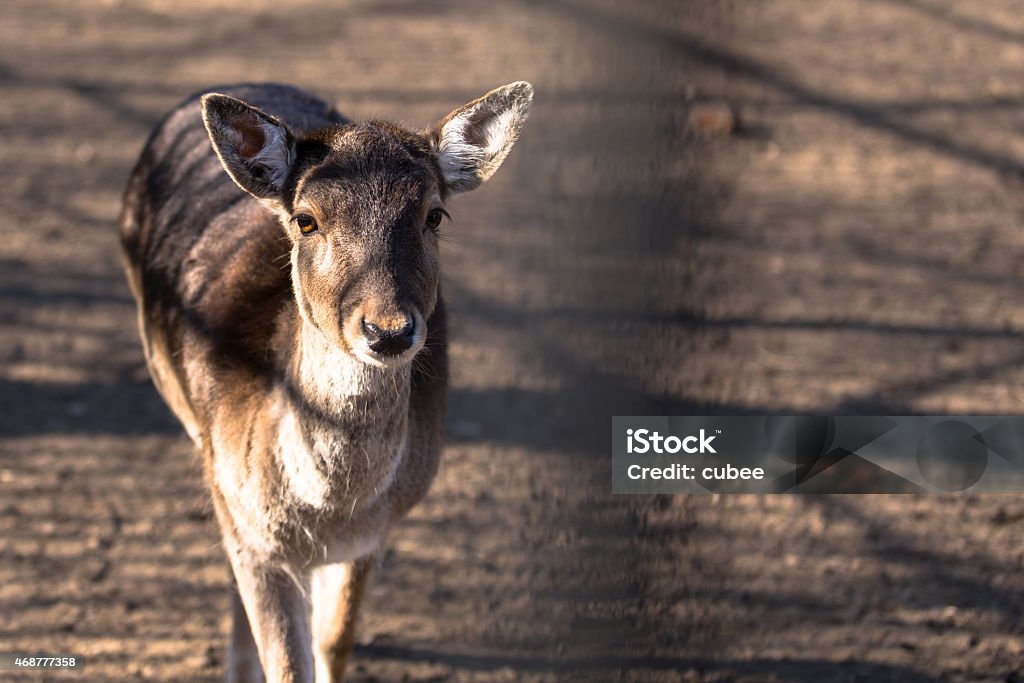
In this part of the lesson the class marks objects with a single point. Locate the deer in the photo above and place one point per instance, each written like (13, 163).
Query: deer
(285, 264)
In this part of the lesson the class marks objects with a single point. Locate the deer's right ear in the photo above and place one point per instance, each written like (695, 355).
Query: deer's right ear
(255, 148)
(473, 140)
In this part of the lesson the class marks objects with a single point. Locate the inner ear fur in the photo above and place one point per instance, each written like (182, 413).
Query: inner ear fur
(255, 148)
(472, 142)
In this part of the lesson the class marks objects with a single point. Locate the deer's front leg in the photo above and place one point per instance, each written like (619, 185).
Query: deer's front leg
(279, 618)
(243, 657)
(337, 590)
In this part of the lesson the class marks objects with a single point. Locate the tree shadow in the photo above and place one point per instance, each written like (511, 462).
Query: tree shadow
(942, 578)
(127, 408)
(569, 668)
(735, 65)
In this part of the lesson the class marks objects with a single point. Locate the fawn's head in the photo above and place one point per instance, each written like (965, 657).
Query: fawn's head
(361, 204)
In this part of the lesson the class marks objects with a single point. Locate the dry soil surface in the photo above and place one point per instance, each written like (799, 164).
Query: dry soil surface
(854, 246)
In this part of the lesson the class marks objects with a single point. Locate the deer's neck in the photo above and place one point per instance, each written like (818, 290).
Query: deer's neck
(343, 426)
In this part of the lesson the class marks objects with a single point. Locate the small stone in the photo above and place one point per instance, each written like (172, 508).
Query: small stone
(712, 119)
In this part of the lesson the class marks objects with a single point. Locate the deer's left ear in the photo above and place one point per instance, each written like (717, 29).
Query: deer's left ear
(255, 148)
(473, 140)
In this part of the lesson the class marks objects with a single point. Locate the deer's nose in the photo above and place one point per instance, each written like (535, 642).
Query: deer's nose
(392, 337)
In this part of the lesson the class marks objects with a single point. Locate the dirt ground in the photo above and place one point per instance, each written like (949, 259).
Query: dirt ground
(854, 247)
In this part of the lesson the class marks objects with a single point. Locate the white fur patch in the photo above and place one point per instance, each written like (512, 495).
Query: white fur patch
(306, 481)
(330, 371)
(245, 493)
(498, 129)
(350, 549)
(465, 164)
(276, 155)
(315, 460)
(457, 156)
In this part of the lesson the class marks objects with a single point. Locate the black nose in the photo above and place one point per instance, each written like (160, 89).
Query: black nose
(390, 341)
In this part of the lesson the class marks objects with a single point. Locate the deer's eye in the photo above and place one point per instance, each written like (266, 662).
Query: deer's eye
(434, 218)
(307, 224)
